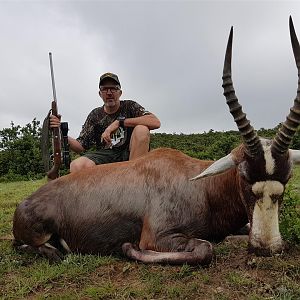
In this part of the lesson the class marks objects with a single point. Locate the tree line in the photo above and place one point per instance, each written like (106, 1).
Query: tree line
(21, 158)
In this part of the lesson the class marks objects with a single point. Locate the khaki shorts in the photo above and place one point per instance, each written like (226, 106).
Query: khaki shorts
(106, 156)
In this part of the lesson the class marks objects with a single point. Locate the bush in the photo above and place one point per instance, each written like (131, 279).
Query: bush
(21, 158)
(20, 152)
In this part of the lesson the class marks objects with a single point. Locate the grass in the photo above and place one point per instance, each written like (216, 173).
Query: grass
(234, 274)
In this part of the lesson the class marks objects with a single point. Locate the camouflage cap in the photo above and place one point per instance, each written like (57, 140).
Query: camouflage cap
(109, 75)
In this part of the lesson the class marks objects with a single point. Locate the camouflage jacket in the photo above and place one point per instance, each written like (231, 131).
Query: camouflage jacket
(98, 120)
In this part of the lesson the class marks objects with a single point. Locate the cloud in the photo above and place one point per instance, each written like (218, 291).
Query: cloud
(168, 55)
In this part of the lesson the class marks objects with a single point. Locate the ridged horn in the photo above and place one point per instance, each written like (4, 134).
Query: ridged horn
(249, 135)
(285, 134)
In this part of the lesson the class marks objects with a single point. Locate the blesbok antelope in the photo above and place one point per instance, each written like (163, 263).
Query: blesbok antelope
(153, 212)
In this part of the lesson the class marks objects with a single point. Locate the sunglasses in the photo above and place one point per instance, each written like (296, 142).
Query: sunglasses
(113, 88)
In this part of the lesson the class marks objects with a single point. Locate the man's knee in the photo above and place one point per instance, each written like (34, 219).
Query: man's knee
(141, 134)
(81, 163)
(140, 142)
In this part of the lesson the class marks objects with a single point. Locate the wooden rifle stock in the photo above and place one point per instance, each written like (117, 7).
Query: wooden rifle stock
(56, 136)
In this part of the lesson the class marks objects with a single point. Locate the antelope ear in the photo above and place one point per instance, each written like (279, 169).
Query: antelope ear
(295, 156)
(223, 164)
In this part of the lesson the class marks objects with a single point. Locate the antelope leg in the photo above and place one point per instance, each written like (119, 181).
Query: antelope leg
(196, 252)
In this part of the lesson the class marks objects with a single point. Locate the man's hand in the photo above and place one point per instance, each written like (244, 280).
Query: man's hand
(54, 121)
(106, 135)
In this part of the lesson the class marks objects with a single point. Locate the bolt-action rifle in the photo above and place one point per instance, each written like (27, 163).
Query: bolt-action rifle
(59, 136)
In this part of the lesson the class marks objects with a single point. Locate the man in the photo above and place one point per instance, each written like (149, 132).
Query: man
(117, 131)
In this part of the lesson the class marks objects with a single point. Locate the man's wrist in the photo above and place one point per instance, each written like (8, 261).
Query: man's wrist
(121, 120)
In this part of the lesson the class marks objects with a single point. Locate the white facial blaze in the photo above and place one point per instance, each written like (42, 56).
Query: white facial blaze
(265, 227)
(270, 162)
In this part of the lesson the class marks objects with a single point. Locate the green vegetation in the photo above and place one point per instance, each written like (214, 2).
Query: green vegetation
(20, 153)
(290, 211)
(21, 158)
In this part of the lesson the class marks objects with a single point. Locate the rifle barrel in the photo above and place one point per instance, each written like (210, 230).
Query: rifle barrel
(56, 134)
(52, 78)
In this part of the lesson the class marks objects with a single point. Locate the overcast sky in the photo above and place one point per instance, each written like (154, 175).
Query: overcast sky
(168, 55)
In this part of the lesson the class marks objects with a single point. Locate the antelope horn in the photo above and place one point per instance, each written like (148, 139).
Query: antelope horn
(251, 140)
(285, 134)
